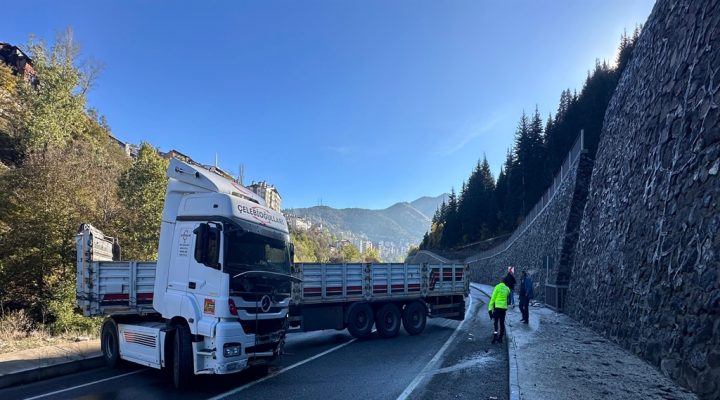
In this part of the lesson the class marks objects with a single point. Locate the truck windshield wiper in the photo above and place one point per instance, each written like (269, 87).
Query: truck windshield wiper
(267, 274)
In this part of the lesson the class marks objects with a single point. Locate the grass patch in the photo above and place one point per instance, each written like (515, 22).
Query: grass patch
(18, 332)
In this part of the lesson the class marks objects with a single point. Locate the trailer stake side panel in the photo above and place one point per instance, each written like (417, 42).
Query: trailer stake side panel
(106, 287)
(350, 282)
(327, 293)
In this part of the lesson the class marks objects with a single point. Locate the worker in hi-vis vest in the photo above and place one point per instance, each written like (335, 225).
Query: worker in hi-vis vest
(497, 308)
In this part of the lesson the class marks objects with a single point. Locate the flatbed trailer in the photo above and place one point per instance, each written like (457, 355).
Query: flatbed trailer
(357, 296)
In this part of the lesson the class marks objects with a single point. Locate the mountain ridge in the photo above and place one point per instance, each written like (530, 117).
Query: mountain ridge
(403, 223)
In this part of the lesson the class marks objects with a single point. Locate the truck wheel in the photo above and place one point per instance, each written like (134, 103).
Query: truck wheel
(109, 343)
(387, 320)
(360, 321)
(182, 357)
(414, 317)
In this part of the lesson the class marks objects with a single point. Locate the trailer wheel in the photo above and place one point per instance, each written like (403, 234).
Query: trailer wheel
(182, 357)
(387, 320)
(109, 343)
(414, 317)
(360, 321)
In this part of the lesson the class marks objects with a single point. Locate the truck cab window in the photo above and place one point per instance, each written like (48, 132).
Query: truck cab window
(207, 245)
(247, 251)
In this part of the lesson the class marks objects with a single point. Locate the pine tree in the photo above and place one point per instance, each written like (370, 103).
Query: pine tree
(500, 196)
(488, 208)
(452, 228)
(477, 208)
(537, 153)
(512, 189)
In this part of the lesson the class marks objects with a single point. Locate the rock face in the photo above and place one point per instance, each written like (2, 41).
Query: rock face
(646, 271)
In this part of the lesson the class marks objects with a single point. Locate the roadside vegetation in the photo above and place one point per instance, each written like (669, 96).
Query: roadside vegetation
(313, 246)
(60, 167)
(485, 207)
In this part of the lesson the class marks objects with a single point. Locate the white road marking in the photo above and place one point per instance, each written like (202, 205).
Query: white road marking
(85, 384)
(432, 364)
(297, 364)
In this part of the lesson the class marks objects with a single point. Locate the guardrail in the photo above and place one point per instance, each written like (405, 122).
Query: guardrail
(565, 168)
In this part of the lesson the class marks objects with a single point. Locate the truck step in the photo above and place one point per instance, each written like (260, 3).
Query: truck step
(206, 352)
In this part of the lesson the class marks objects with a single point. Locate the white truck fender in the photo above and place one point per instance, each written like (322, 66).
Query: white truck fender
(191, 311)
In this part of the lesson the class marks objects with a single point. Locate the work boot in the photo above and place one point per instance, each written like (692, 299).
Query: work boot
(494, 337)
(500, 340)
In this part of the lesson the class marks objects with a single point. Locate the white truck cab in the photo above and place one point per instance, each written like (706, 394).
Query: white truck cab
(220, 287)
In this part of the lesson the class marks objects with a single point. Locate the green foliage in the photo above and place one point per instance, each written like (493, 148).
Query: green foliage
(142, 193)
(9, 111)
(477, 208)
(67, 175)
(347, 253)
(312, 246)
(45, 201)
(371, 255)
(65, 317)
(8, 81)
(53, 111)
(315, 246)
(414, 249)
(452, 231)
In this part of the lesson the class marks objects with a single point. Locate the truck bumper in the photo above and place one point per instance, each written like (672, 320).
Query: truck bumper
(254, 349)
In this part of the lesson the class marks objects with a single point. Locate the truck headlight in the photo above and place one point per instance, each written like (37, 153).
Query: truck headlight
(231, 350)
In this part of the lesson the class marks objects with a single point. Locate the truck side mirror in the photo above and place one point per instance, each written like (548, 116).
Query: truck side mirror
(291, 247)
(207, 245)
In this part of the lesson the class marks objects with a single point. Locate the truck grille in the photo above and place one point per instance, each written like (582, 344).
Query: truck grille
(261, 348)
(262, 326)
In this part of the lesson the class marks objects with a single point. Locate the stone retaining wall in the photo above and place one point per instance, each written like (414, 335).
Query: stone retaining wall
(647, 267)
(553, 234)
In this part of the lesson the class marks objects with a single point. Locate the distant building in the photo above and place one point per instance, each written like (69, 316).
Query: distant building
(298, 224)
(180, 156)
(267, 192)
(18, 61)
(130, 150)
(362, 244)
(339, 244)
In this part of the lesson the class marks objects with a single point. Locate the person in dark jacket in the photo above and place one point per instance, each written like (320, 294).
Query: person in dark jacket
(510, 282)
(526, 293)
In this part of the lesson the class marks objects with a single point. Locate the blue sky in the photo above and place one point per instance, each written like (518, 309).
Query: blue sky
(352, 103)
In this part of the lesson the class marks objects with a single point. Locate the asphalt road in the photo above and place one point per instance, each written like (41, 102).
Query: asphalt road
(322, 365)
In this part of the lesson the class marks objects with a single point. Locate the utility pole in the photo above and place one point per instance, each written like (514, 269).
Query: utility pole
(241, 174)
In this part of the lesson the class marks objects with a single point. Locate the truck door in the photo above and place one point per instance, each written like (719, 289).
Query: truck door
(205, 275)
(183, 245)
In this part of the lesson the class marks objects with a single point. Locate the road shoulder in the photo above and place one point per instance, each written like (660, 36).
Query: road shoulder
(472, 367)
(47, 362)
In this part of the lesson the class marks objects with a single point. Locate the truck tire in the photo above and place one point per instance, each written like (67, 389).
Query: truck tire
(360, 320)
(414, 317)
(109, 343)
(182, 357)
(387, 320)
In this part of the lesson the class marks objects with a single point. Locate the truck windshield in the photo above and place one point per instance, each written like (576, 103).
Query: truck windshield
(247, 251)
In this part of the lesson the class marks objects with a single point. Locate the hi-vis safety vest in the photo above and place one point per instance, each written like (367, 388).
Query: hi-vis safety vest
(499, 297)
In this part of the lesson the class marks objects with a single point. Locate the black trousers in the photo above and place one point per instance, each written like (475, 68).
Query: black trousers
(524, 307)
(499, 318)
